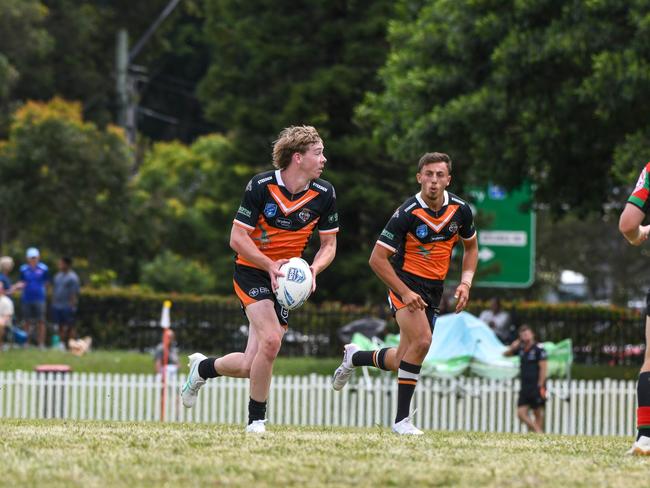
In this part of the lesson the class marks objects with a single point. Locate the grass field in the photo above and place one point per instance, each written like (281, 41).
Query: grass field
(57, 453)
(114, 361)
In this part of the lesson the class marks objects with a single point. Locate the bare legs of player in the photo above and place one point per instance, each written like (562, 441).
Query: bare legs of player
(522, 413)
(256, 362)
(414, 339)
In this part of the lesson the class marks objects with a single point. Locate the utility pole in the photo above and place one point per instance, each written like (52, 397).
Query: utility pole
(126, 78)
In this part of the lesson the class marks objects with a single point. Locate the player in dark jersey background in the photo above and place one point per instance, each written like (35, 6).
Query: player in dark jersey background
(635, 211)
(533, 367)
(412, 257)
(278, 214)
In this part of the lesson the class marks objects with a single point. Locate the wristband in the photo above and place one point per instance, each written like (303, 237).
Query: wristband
(466, 277)
(469, 285)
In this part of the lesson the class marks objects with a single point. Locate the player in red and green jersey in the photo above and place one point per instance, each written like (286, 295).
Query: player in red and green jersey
(636, 208)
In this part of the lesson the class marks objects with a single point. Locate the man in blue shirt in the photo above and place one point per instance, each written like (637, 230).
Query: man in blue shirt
(34, 276)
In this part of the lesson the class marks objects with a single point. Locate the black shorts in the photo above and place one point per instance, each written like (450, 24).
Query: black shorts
(430, 291)
(531, 397)
(253, 285)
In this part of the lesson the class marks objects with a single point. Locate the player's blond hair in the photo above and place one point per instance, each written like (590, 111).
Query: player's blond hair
(434, 157)
(294, 139)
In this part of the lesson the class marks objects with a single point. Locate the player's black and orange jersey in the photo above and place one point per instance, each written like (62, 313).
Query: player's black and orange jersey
(281, 223)
(641, 194)
(422, 239)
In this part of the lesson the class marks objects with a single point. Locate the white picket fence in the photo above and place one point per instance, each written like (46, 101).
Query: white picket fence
(581, 407)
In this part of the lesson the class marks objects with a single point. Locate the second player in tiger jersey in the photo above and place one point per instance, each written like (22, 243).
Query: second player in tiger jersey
(412, 257)
(279, 212)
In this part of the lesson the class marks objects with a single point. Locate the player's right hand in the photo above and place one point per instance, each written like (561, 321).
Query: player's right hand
(275, 273)
(644, 231)
(413, 301)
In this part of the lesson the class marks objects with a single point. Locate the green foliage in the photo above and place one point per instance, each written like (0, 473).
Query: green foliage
(184, 198)
(545, 91)
(171, 272)
(62, 183)
(275, 64)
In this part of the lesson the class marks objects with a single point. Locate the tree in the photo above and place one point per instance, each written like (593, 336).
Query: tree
(540, 90)
(184, 201)
(63, 183)
(280, 63)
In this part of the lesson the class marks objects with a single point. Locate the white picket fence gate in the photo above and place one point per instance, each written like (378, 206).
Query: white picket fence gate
(605, 407)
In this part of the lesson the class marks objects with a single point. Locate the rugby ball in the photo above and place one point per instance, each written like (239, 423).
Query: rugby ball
(294, 287)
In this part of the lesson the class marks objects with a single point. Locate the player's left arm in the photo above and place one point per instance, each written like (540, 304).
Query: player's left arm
(541, 381)
(470, 261)
(324, 256)
(630, 225)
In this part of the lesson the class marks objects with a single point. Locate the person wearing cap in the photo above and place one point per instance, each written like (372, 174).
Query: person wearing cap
(34, 277)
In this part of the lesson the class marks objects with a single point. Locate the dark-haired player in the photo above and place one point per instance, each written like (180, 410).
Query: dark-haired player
(412, 258)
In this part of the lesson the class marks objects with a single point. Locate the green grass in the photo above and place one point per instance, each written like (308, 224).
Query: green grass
(101, 361)
(114, 361)
(89, 454)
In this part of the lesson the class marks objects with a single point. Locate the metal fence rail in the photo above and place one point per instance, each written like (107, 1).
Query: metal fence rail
(604, 407)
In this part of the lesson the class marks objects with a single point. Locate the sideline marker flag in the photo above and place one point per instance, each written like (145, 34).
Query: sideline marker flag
(165, 323)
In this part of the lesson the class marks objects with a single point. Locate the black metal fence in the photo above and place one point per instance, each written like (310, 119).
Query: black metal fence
(126, 320)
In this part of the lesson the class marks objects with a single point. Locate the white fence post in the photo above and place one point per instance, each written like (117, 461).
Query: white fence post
(604, 407)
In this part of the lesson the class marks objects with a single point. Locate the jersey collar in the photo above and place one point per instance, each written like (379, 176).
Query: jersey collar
(278, 178)
(445, 200)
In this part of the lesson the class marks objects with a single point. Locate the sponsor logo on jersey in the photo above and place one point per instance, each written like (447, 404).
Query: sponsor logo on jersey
(438, 238)
(410, 206)
(453, 227)
(244, 211)
(333, 218)
(388, 235)
(421, 231)
(304, 215)
(296, 275)
(284, 313)
(270, 210)
(320, 187)
(253, 292)
(396, 214)
(249, 187)
(282, 222)
(264, 180)
(264, 290)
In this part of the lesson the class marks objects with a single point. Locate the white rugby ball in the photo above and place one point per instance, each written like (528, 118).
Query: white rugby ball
(294, 287)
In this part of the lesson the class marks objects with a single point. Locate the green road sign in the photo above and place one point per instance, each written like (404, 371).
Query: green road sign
(506, 237)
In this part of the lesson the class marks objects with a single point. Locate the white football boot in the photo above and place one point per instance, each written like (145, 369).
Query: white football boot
(406, 427)
(343, 372)
(256, 427)
(194, 382)
(640, 447)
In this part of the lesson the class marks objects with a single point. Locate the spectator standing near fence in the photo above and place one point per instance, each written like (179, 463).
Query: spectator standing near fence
(498, 320)
(635, 211)
(65, 299)
(533, 365)
(34, 278)
(172, 358)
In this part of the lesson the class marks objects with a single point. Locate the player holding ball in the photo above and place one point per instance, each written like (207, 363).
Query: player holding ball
(279, 212)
